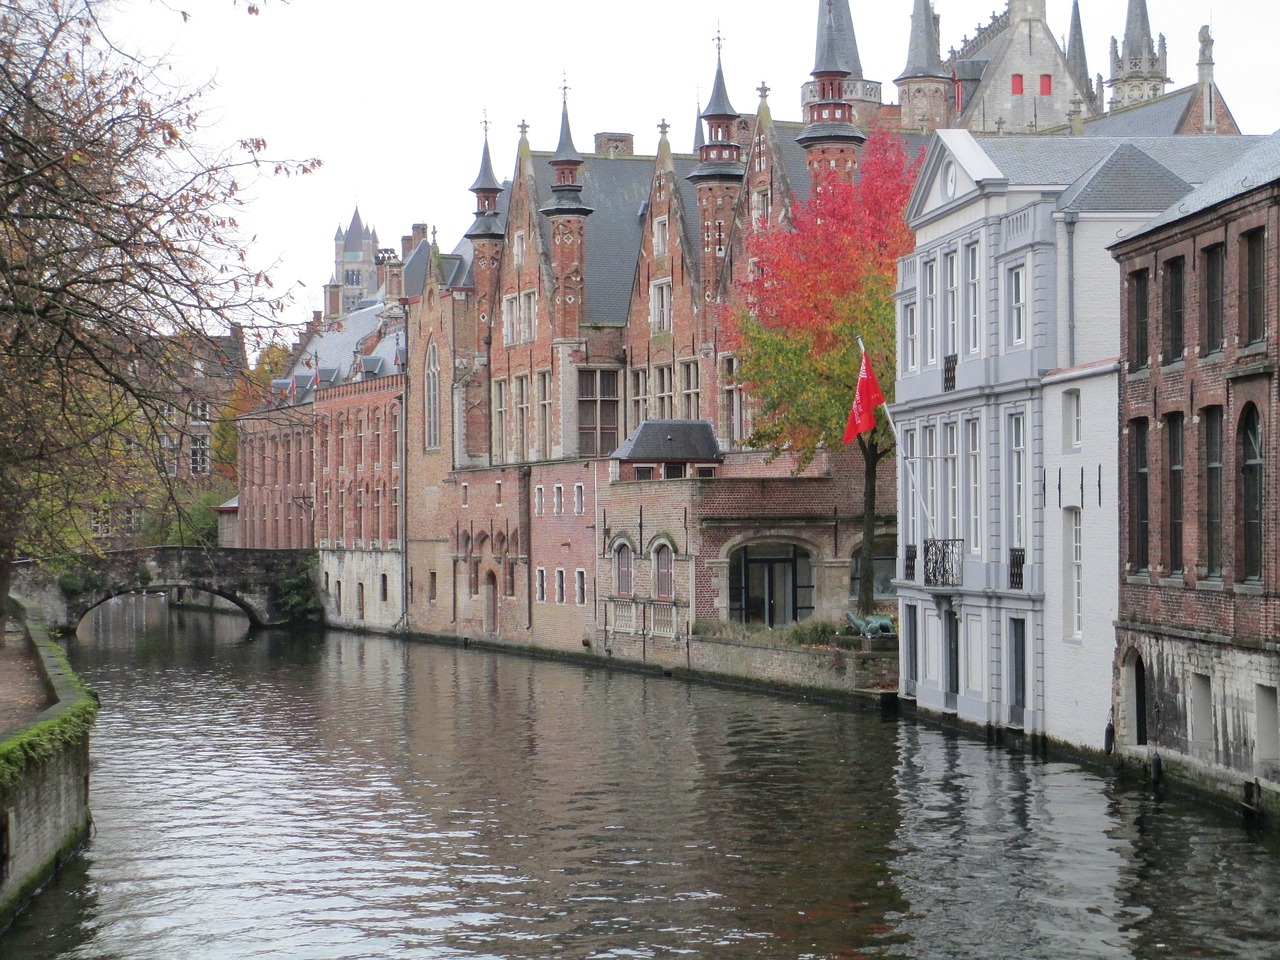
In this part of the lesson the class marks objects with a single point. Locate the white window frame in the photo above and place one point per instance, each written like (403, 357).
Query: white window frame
(580, 587)
(540, 585)
(579, 499)
(951, 480)
(510, 309)
(664, 392)
(529, 315)
(1017, 281)
(660, 236)
(1017, 426)
(973, 305)
(973, 455)
(539, 501)
(518, 249)
(557, 500)
(660, 305)
(950, 304)
(911, 352)
(560, 585)
(1073, 600)
(639, 396)
(690, 390)
(930, 297)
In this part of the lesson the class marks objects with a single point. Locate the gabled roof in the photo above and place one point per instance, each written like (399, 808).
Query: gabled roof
(671, 441)
(1161, 117)
(1258, 167)
(1126, 181)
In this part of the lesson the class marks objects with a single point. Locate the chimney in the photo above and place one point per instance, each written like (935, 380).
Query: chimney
(332, 299)
(616, 144)
(406, 247)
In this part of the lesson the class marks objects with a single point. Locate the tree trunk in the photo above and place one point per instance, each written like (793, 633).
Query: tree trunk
(7, 555)
(871, 456)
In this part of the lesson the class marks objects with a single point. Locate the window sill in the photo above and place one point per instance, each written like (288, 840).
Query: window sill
(1172, 582)
(1211, 586)
(1249, 589)
(1252, 349)
(1138, 579)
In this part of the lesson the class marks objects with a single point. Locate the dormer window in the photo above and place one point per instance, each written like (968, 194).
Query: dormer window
(518, 249)
(660, 237)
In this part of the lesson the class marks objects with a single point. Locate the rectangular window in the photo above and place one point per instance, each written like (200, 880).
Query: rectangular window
(1073, 599)
(639, 397)
(950, 304)
(557, 500)
(1018, 305)
(199, 454)
(517, 249)
(540, 585)
(1016, 86)
(910, 341)
(689, 392)
(499, 448)
(521, 432)
(539, 501)
(1071, 419)
(660, 305)
(664, 396)
(929, 482)
(497, 492)
(1046, 85)
(951, 464)
(1139, 346)
(973, 299)
(580, 587)
(644, 473)
(528, 315)
(559, 586)
(1176, 489)
(100, 522)
(930, 313)
(735, 417)
(544, 416)
(509, 319)
(973, 456)
(1213, 491)
(579, 499)
(660, 236)
(433, 586)
(1139, 519)
(1267, 711)
(1175, 299)
(909, 482)
(1017, 480)
(1214, 280)
(597, 412)
(1254, 286)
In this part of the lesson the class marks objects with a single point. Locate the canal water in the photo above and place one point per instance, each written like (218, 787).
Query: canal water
(337, 796)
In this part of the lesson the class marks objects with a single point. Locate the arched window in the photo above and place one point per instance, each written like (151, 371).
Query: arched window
(431, 400)
(623, 583)
(1251, 494)
(663, 584)
(770, 584)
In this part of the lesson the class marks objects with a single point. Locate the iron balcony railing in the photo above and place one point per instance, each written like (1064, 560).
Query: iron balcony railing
(943, 566)
(1017, 566)
(949, 371)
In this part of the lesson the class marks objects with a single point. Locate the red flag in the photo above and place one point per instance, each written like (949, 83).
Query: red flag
(862, 415)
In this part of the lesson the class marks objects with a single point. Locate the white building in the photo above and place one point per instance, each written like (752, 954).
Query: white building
(1007, 406)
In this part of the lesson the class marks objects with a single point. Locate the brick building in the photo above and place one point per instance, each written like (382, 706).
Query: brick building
(1196, 665)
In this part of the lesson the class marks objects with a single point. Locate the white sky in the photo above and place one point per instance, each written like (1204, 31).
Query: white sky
(390, 94)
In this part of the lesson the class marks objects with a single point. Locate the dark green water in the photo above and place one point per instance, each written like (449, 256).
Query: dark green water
(349, 797)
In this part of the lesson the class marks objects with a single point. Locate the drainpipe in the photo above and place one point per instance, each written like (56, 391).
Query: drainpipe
(1071, 219)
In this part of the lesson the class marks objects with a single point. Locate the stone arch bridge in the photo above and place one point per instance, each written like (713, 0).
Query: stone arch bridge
(272, 587)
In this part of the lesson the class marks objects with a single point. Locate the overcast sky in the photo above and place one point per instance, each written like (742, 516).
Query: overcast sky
(390, 94)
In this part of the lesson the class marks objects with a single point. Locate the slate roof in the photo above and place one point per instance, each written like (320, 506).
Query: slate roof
(671, 441)
(923, 59)
(1256, 168)
(617, 189)
(845, 42)
(1059, 161)
(1125, 181)
(415, 269)
(1161, 117)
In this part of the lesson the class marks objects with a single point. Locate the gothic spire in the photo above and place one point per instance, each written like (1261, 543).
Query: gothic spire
(1076, 60)
(835, 23)
(1137, 29)
(566, 152)
(923, 58)
(486, 180)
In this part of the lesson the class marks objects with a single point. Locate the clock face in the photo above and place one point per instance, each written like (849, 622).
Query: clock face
(949, 180)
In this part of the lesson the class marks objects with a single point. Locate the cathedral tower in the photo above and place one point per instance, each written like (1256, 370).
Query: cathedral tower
(831, 140)
(924, 89)
(1138, 71)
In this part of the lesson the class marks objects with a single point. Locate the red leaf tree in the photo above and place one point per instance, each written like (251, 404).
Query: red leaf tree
(818, 286)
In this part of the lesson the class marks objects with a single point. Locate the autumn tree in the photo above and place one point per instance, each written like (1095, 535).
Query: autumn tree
(118, 241)
(819, 286)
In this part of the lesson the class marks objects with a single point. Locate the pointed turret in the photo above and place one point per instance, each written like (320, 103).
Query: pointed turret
(923, 58)
(1077, 62)
(1138, 70)
(720, 154)
(835, 22)
(831, 138)
(699, 138)
(925, 87)
(486, 188)
(567, 191)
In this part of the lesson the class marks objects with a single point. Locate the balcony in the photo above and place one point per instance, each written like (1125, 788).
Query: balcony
(943, 564)
(909, 562)
(655, 618)
(1017, 566)
(949, 372)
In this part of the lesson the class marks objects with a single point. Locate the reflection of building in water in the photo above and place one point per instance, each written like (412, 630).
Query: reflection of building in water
(992, 845)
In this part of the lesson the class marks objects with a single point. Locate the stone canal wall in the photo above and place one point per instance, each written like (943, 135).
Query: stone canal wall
(44, 783)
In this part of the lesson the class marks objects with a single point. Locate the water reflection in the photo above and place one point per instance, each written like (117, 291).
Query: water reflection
(262, 796)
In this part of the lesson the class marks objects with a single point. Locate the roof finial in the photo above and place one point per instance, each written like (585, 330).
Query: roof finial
(485, 123)
(763, 90)
(564, 86)
(524, 128)
(719, 37)
(663, 127)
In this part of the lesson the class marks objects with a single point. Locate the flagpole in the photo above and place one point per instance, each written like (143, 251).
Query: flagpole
(911, 470)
